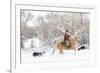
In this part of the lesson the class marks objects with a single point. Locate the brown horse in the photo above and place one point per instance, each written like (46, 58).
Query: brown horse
(60, 45)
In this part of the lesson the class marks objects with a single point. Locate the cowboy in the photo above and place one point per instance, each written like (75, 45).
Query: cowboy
(66, 37)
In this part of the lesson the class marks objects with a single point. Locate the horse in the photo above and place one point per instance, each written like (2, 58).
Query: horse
(61, 46)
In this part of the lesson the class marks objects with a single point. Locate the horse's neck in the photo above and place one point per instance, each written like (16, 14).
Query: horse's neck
(74, 38)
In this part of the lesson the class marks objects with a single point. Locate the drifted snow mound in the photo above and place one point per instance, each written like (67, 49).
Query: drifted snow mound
(27, 44)
(35, 42)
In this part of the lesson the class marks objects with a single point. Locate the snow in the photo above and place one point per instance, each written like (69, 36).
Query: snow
(27, 44)
(48, 55)
(36, 43)
(69, 55)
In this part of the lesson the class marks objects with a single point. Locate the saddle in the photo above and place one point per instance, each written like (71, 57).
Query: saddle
(66, 44)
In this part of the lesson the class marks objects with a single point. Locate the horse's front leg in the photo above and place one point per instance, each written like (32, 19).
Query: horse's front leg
(61, 51)
(74, 48)
(75, 51)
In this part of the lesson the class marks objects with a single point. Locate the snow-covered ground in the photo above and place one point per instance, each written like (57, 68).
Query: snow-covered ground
(48, 55)
(69, 55)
